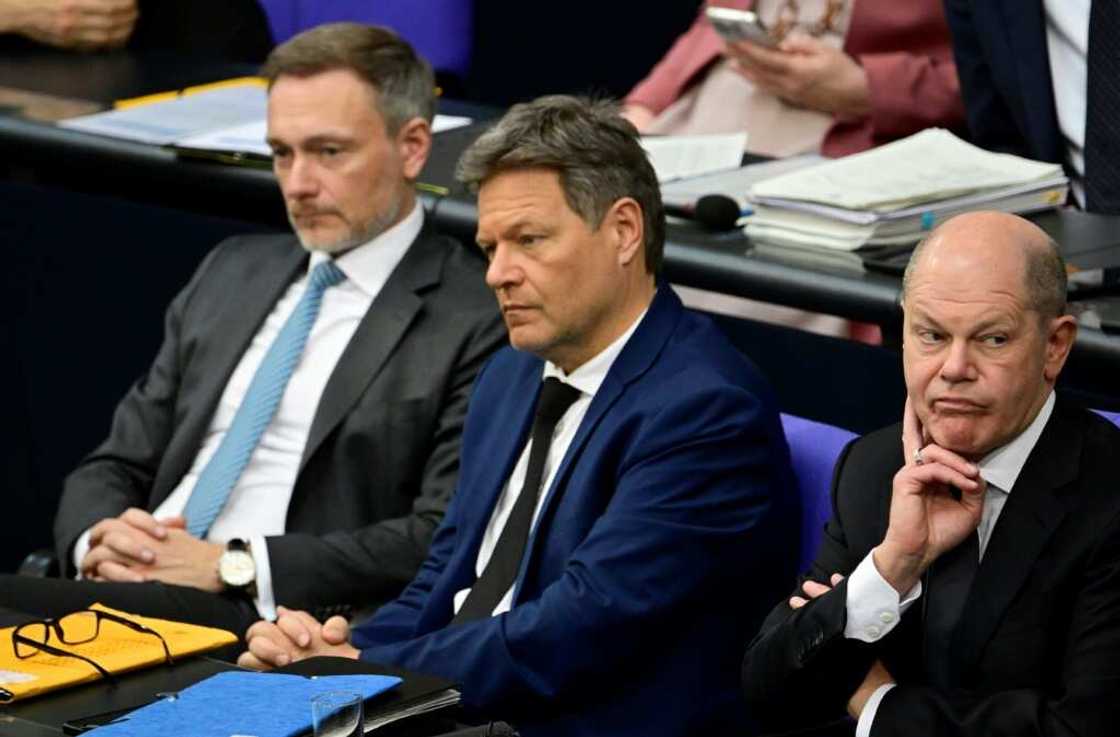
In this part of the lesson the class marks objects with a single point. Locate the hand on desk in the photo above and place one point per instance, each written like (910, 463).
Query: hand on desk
(295, 636)
(640, 116)
(136, 547)
(83, 25)
(806, 72)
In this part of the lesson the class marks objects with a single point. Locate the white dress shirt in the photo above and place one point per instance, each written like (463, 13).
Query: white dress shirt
(587, 378)
(258, 504)
(874, 607)
(1067, 41)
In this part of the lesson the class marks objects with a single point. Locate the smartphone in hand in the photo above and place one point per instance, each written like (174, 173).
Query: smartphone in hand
(739, 25)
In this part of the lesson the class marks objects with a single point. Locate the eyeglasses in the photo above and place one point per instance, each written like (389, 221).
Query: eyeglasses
(74, 629)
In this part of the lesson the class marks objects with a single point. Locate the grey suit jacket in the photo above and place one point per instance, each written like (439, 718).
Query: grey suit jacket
(383, 451)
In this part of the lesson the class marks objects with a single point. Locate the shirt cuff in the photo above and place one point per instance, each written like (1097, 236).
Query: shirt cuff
(867, 716)
(265, 599)
(81, 548)
(873, 606)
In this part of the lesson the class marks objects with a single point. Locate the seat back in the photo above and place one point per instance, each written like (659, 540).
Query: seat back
(1113, 417)
(814, 448)
(442, 31)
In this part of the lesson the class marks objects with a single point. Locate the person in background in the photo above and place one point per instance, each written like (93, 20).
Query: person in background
(846, 75)
(80, 25)
(1039, 79)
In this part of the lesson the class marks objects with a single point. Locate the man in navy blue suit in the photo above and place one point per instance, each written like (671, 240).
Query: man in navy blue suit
(624, 513)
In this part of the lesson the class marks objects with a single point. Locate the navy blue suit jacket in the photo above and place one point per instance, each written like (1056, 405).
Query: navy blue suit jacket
(1004, 67)
(671, 526)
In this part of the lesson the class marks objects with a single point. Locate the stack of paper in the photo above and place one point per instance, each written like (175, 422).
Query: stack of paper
(896, 193)
(675, 157)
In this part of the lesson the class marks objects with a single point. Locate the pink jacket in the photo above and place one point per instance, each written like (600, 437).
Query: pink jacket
(904, 46)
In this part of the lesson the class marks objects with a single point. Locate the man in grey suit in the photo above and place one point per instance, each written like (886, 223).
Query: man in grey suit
(296, 439)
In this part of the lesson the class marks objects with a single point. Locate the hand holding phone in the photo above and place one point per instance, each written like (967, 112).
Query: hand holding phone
(739, 25)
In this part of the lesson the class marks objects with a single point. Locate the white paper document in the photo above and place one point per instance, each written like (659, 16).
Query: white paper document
(674, 157)
(925, 167)
(224, 119)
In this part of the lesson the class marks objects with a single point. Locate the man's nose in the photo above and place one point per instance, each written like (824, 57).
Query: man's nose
(958, 365)
(301, 180)
(503, 270)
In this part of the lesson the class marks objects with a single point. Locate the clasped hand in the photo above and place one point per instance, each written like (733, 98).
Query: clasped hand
(136, 547)
(295, 636)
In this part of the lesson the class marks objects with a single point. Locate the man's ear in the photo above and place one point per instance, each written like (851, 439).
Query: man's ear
(414, 143)
(1061, 333)
(628, 228)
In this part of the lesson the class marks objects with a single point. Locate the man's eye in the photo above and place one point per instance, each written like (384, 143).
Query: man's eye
(929, 336)
(329, 152)
(527, 240)
(994, 341)
(487, 250)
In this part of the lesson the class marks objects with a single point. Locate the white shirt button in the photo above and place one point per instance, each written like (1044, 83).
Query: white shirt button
(886, 617)
(872, 631)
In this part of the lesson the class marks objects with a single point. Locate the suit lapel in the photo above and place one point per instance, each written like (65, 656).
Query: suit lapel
(384, 324)
(245, 310)
(1033, 511)
(636, 358)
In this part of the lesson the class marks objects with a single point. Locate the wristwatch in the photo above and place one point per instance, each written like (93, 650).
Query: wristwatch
(236, 568)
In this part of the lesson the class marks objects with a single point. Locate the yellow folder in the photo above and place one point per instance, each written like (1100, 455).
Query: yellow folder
(117, 649)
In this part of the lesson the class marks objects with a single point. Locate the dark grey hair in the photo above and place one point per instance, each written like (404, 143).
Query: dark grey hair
(403, 80)
(594, 150)
(1044, 275)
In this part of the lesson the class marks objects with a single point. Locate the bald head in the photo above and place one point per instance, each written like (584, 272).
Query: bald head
(1002, 246)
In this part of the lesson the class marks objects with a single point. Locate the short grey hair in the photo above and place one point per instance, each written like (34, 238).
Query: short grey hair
(403, 80)
(594, 150)
(1044, 276)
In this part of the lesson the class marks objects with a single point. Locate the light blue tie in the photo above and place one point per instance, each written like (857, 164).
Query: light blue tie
(259, 405)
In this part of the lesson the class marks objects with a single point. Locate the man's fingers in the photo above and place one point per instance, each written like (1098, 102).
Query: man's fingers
(269, 652)
(933, 474)
(145, 522)
(126, 546)
(796, 602)
(814, 589)
(936, 454)
(836, 578)
(336, 631)
(912, 438)
(112, 571)
(248, 660)
(295, 629)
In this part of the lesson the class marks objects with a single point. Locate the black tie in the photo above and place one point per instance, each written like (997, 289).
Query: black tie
(1102, 116)
(501, 570)
(948, 583)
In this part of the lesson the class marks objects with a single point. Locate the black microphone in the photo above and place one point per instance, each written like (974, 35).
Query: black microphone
(713, 211)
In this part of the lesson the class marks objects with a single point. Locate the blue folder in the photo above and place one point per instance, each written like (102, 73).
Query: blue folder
(241, 703)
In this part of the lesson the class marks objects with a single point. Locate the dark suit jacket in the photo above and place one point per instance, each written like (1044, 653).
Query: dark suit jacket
(671, 526)
(1037, 650)
(1004, 67)
(383, 451)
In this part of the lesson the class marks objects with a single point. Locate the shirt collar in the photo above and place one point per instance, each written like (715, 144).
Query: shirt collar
(590, 376)
(369, 265)
(1003, 465)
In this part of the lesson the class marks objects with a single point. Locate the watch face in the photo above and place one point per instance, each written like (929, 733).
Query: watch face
(236, 568)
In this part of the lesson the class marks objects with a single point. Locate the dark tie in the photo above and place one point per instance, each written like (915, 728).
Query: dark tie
(949, 580)
(1102, 116)
(501, 570)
